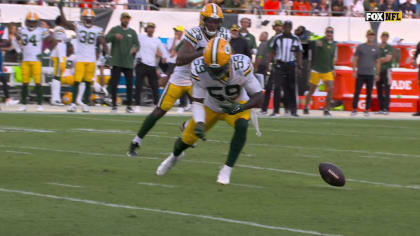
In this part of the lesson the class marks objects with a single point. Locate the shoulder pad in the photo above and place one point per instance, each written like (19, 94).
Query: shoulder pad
(242, 64)
(224, 33)
(197, 68)
(193, 35)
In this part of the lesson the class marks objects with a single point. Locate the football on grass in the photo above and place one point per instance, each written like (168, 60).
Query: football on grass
(332, 174)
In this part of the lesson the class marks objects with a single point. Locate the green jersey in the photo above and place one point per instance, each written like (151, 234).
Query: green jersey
(383, 52)
(250, 39)
(323, 56)
(120, 49)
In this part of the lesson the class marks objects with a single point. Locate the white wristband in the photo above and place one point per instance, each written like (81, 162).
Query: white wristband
(199, 114)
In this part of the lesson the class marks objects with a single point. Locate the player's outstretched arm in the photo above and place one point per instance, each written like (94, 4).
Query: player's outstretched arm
(187, 54)
(66, 23)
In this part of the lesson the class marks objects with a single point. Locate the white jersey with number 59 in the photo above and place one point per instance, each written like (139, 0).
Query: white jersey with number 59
(236, 87)
(32, 42)
(198, 39)
(86, 42)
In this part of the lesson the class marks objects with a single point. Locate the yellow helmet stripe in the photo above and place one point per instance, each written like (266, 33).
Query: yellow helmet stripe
(214, 50)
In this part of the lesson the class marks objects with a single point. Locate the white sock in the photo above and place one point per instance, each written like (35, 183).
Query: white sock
(137, 140)
(82, 88)
(55, 90)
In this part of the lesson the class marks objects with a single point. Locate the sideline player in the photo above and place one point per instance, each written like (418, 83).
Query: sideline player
(194, 41)
(222, 83)
(87, 37)
(31, 37)
(58, 57)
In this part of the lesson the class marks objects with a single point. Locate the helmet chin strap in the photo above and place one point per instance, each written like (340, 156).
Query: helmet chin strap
(210, 33)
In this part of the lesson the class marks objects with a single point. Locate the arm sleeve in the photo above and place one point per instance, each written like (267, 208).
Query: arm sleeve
(109, 37)
(45, 33)
(190, 37)
(5, 35)
(164, 51)
(136, 43)
(252, 86)
(199, 113)
(357, 53)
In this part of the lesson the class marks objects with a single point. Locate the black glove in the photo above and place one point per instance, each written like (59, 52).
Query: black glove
(200, 131)
(233, 108)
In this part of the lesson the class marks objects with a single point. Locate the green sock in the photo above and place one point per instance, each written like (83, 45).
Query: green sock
(24, 94)
(57, 78)
(147, 125)
(238, 141)
(179, 147)
(38, 91)
(75, 91)
(86, 98)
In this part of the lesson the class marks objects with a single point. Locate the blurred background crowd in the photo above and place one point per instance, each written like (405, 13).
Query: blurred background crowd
(410, 8)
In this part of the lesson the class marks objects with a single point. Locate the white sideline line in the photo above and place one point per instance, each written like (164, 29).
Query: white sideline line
(416, 187)
(376, 157)
(29, 130)
(167, 212)
(247, 185)
(64, 185)
(80, 152)
(216, 163)
(157, 185)
(24, 153)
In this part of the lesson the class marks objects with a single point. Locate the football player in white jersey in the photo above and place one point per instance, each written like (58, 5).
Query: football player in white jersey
(58, 57)
(88, 36)
(31, 38)
(194, 41)
(222, 84)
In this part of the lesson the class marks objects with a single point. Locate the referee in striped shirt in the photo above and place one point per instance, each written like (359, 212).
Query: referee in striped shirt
(286, 50)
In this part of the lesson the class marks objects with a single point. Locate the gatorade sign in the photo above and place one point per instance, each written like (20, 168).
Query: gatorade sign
(377, 16)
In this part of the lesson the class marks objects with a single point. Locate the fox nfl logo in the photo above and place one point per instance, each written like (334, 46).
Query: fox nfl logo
(377, 16)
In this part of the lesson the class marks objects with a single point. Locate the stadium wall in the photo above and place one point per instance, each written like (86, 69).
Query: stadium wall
(347, 28)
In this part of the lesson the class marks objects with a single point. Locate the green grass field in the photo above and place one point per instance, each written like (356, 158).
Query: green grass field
(65, 174)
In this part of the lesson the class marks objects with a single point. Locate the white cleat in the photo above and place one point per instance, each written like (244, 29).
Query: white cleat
(56, 103)
(22, 108)
(39, 108)
(85, 107)
(180, 110)
(72, 108)
(224, 175)
(11, 102)
(168, 163)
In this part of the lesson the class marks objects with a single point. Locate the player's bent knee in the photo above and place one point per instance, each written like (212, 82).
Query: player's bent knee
(241, 125)
(158, 113)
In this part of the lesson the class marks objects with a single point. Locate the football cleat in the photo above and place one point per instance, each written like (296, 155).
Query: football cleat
(132, 149)
(72, 108)
(129, 109)
(327, 113)
(85, 107)
(23, 108)
(305, 111)
(114, 109)
(11, 102)
(168, 163)
(366, 113)
(224, 175)
(354, 113)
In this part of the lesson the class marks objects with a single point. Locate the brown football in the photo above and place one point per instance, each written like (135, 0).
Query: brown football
(332, 174)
